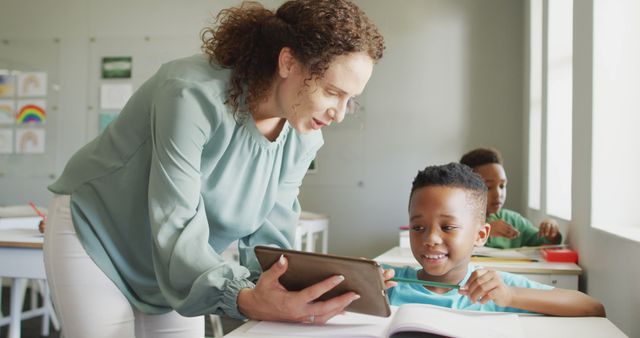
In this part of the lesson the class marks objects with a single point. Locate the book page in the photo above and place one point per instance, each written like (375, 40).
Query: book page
(456, 323)
(350, 324)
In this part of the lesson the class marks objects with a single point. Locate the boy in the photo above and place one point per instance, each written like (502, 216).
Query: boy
(508, 228)
(447, 212)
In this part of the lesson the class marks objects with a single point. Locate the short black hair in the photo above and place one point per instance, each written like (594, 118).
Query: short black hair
(481, 156)
(455, 175)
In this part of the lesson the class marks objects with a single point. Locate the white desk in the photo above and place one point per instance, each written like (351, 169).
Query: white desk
(533, 326)
(562, 275)
(21, 259)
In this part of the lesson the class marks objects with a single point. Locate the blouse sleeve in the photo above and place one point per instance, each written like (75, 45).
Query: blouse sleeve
(193, 278)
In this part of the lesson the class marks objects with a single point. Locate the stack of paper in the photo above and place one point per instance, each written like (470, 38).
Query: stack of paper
(505, 254)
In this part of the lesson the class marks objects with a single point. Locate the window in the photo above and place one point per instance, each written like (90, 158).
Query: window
(535, 102)
(550, 106)
(559, 107)
(616, 140)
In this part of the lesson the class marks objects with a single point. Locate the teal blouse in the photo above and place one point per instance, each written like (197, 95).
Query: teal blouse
(173, 181)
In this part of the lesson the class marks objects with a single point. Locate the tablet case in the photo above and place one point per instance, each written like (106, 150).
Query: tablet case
(361, 275)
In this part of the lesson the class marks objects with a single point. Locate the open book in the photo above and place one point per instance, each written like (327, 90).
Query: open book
(408, 318)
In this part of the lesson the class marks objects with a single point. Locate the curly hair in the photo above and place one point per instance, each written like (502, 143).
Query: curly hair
(455, 175)
(248, 40)
(481, 156)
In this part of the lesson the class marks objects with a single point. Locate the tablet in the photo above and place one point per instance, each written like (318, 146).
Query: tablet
(361, 275)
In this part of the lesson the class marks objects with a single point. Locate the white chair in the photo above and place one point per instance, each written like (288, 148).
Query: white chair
(39, 290)
(309, 227)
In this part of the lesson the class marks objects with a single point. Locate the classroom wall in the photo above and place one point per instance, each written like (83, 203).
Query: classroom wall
(450, 80)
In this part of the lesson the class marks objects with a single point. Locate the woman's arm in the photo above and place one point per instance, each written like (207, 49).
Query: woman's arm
(192, 277)
(269, 300)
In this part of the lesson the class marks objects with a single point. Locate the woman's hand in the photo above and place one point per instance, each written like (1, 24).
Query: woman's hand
(269, 300)
(485, 285)
(500, 228)
(549, 229)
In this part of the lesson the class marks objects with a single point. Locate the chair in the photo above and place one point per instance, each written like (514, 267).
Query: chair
(39, 290)
(311, 226)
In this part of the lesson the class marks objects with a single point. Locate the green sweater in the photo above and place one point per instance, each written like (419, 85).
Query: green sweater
(173, 181)
(528, 232)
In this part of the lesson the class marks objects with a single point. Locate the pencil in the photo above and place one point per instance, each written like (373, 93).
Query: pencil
(425, 282)
(37, 211)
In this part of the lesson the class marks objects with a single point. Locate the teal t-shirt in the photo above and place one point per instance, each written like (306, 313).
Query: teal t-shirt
(173, 181)
(528, 232)
(414, 293)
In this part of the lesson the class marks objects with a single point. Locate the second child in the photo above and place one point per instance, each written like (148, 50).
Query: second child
(509, 229)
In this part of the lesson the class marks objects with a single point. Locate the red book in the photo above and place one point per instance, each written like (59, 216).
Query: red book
(560, 255)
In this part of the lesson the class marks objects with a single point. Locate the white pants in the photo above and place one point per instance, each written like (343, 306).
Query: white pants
(88, 303)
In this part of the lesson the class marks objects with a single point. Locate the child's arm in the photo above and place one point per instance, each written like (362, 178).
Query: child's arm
(557, 302)
(550, 230)
(487, 285)
(500, 228)
(547, 233)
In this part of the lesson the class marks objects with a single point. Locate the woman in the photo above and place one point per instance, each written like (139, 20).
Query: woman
(211, 149)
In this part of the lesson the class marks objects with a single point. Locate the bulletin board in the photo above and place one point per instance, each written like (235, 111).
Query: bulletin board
(142, 55)
(29, 97)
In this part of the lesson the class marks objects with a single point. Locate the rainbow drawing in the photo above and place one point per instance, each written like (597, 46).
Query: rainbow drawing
(31, 113)
(32, 84)
(7, 111)
(30, 141)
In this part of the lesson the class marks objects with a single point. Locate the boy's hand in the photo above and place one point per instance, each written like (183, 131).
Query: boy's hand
(386, 275)
(500, 228)
(549, 229)
(486, 285)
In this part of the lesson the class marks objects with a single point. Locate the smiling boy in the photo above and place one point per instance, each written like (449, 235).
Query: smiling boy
(447, 220)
